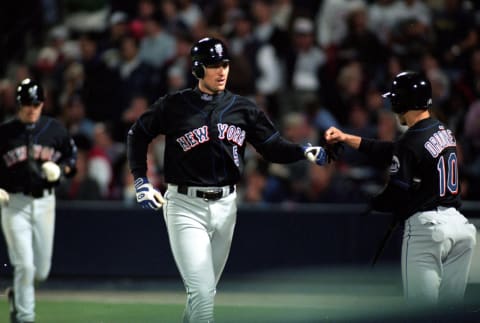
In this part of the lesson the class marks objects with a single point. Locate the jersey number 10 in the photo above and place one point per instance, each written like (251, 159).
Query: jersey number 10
(448, 174)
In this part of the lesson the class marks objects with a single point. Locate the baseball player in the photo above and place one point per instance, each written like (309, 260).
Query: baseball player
(206, 131)
(423, 190)
(36, 151)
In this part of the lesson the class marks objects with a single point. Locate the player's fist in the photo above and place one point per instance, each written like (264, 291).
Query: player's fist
(315, 154)
(51, 171)
(147, 196)
(334, 135)
(4, 197)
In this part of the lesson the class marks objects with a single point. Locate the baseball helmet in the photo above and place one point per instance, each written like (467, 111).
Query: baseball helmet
(410, 91)
(29, 92)
(207, 51)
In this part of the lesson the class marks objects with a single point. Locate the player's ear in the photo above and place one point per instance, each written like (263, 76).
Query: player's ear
(198, 70)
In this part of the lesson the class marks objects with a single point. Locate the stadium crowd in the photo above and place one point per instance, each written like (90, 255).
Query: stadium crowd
(308, 64)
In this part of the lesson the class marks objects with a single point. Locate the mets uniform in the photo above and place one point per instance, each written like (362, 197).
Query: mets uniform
(29, 152)
(206, 132)
(206, 138)
(424, 189)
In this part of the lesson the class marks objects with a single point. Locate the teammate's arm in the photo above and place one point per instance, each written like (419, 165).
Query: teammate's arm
(380, 152)
(279, 150)
(141, 133)
(68, 164)
(137, 147)
(272, 146)
(399, 193)
(138, 138)
(334, 135)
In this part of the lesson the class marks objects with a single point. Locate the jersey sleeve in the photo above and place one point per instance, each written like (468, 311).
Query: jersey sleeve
(70, 160)
(397, 195)
(149, 125)
(380, 152)
(270, 144)
(68, 150)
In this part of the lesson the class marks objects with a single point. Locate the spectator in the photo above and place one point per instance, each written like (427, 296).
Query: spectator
(100, 86)
(287, 182)
(243, 49)
(381, 19)
(189, 13)
(8, 101)
(118, 28)
(269, 56)
(136, 77)
(469, 81)
(176, 73)
(103, 160)
(305, 64)
(456, 36)
(138, 105)
(361, 44)
(157, 46)
(74, 119)
(332, 21)
(348, 89)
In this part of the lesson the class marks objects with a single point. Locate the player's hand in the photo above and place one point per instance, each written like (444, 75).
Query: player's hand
(51, 171)
(4, 197)
(334, 135)
(147, 196)
(315, 154)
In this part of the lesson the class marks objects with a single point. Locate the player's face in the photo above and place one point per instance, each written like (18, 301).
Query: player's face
(30, 113)
(215, 78)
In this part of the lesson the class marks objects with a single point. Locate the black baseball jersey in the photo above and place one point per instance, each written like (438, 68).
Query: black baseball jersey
(25, 147)
(206, 136)
(423, 169)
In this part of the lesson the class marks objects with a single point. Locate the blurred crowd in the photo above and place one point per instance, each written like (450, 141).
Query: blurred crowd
(308, 64)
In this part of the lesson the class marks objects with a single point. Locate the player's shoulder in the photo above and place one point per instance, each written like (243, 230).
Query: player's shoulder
(244, 101)
(50, 121)
(52, 124)
(10, 125)
(172, 98)
(416, 136)
(179, 94)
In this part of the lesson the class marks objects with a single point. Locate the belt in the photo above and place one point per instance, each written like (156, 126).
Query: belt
(39, 192)
(207, 193)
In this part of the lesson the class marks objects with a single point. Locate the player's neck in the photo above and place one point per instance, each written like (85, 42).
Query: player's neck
(414, 116)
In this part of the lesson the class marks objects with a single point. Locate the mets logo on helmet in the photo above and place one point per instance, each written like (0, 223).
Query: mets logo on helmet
(395, 165)
(33, 91)
(219, 49)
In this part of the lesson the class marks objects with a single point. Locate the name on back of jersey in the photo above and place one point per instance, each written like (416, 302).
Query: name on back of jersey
(440, 140)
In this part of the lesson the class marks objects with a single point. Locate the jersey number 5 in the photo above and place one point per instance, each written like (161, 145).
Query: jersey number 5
(448, 174)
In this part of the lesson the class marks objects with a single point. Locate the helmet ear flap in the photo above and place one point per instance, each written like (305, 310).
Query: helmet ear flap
(197, 70)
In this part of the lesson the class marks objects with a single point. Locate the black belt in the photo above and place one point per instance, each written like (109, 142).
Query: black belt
(39, 192)
(206, 194)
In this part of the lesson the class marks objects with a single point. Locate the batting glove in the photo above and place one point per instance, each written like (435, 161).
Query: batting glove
(315, 154)
(51, 171)
(4, 197)
(147, 196)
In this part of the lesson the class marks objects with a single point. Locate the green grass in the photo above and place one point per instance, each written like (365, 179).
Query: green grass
(90, 312)
(68, 311)
(307, 296)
